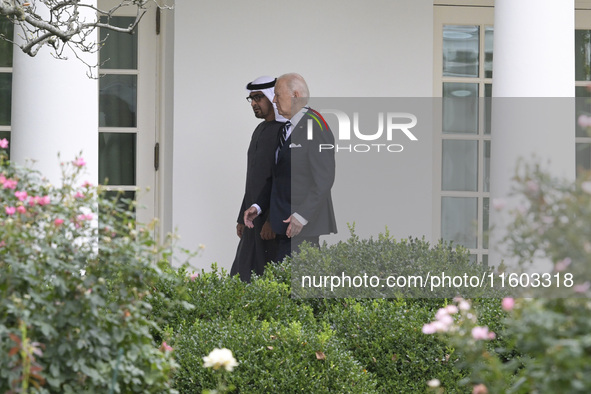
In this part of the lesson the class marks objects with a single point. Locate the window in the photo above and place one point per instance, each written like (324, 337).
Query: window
(6, 29)
(128, 111)
(582, 83)
(118, 109)
(463, 80)
(463, 72)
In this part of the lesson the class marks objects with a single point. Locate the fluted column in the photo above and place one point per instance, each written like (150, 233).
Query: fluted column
(54, 109)
(533, 107)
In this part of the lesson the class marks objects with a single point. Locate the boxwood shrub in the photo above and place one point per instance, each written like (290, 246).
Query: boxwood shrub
(215, 295)
(385, 336)
(274, 356)
(368, 345)
(405, 268)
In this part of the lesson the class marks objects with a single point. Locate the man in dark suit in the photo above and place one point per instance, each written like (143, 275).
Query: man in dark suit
(298, 196)
(257, 245)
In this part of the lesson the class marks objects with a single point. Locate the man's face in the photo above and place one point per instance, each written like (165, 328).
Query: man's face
(283, 99)
(261, 105)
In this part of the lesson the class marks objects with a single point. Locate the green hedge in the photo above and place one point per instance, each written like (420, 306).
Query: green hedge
(386, 337)
(275, 357)
(416, 270)
(368, 345)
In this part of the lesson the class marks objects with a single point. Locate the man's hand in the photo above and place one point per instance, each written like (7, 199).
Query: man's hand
(294, 227)
(249, 215)
(239, 229)
(267, 233)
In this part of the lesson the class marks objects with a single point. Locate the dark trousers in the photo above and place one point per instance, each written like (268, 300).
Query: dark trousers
(286, 245)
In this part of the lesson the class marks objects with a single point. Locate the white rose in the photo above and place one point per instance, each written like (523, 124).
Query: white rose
(220, 358)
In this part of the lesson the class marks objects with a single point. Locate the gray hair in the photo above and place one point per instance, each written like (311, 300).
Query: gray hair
(296, 83)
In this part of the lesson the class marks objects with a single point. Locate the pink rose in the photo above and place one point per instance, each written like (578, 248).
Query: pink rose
(584, 121)
(498, 203)
(166, 347)
(479, 333)
(428, 329)
(10, 184)
(508, 303)
(479, 389)
(21, 195)
(87, 216)
(582, 288)
(79, 162)
(562, 264)
(43, 200)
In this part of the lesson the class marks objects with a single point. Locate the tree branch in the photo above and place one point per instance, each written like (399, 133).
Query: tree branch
(64, 24)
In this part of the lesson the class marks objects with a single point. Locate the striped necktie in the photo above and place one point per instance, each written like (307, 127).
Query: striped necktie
(284, 134)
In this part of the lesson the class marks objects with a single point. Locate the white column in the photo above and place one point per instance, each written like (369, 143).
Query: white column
(54, 109)
(533, 114)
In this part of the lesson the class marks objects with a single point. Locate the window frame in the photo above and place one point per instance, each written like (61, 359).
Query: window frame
(477, 13)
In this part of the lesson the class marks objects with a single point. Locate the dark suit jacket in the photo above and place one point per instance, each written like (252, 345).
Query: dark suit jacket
(301, 182)
(259, 165)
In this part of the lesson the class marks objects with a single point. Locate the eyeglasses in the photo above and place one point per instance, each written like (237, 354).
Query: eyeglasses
(256, 98)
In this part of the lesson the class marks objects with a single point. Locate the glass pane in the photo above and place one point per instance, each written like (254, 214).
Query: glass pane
(459, 217)
(582, 55)
(487, 107)
(486, 180)
(488, 51)
(121, 195)
(6, 30)
(5, 98)
(459, 170)
(118, 101)
(583, 111)
(460, 51)
(485, 260)
(117, 158)
(485, 217)
(123, 200)
(583, 157)
(120, 49)
(460, 108)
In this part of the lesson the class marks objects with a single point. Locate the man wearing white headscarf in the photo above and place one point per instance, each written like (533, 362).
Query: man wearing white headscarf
(298, 196)
(257, 245)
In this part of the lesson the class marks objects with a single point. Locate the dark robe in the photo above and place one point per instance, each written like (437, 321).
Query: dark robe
(253, 253)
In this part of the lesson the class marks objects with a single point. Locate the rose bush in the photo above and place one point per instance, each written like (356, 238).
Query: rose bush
(76, 275)
(546, 341)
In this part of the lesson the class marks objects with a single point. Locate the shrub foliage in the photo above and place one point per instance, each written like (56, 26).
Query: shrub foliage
(287, 344)
(73, 310)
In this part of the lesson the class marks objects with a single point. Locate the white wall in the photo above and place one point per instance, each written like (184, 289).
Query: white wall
(380, 48)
